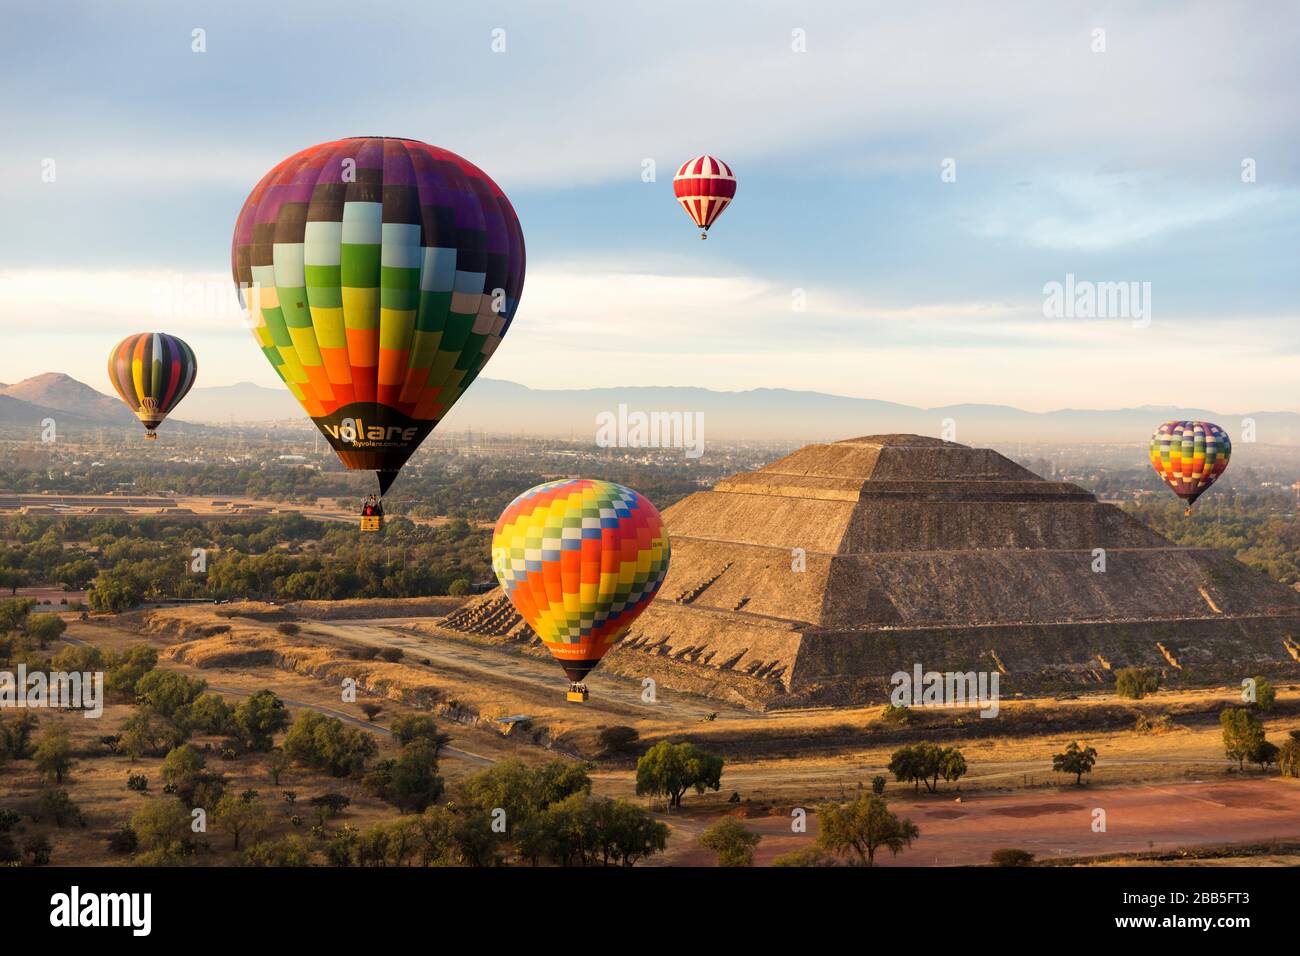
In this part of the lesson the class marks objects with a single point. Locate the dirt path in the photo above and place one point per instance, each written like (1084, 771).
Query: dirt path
(1058, 823)
(464, 657)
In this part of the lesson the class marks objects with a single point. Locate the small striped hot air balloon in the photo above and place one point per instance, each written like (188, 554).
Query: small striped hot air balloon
(1190, 456)
(152, 371)
(705, 187)
(580, 559)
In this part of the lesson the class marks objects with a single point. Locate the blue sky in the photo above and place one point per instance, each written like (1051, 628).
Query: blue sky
(1116, 166)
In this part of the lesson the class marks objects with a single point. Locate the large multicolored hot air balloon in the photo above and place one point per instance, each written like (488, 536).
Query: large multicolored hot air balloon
(705, 187)
(152, 371)
(379, 276)
(580, 559)
(1190, 456)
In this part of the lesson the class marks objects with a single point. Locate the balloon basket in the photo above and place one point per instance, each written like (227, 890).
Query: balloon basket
(1187, 513)
(704, 235)
(372, 523)
(577, 693)
(150, 436)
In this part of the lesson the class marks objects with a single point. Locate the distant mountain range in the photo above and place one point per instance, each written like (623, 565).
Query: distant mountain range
(492, 405)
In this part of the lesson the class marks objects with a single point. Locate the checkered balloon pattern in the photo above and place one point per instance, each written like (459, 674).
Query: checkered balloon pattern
(1190, 456)
(580, 559)
(379, 276)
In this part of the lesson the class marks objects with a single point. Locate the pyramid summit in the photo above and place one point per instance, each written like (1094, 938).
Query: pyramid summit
(812, 580)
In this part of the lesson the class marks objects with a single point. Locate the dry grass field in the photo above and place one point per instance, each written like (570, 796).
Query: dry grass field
(1160, 791)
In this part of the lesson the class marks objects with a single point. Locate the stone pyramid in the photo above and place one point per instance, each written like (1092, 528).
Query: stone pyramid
(812, 580)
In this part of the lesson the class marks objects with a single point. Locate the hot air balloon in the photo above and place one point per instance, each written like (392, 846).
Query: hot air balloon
(379, 276)
(580, 559)
(1190, 456)
(705, 187)
(152, 371)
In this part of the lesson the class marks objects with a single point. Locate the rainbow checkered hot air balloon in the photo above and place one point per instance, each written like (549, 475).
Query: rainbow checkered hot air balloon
(379, 276)
(580, 559)
(152, 371)
(1190, 456)
(705, 187)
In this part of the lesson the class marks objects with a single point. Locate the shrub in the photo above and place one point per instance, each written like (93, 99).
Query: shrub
(123, 840)
(898, 716)
(38, 849)
(732, 841)
(56, 805)
(1009, 856)
(138, 783)
(1136, 682)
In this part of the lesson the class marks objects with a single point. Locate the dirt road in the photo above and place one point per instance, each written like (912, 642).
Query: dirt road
(1057, 823)
(467, 658)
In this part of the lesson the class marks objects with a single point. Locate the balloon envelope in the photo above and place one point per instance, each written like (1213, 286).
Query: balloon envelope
(152, 371)
(379, 276)
(705, 187)
(580, 559)
(1190, 456)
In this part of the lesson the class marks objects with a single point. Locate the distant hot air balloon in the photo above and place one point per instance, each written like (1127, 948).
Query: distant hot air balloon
(152, 371)
(705, 187)
(379, 276)
(1190, 456)
(580, 559)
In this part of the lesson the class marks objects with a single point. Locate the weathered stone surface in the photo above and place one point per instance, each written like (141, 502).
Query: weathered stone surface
(919, 550)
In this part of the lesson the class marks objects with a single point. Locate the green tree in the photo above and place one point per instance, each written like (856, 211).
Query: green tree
(146, 734)
(53, 755)
(1242, 734)
(1265, 755)
(79, 658)
(209, 714)
(1265, 694)
(863, 826)
(1136, 682)
(162, 826)
(288, 851)
(169, 694)
(1288, 758)
(409, 728)
(259, 718)
(55, 804)
(341, 848)
(411, 781)
(1076, 761)
(277, 764)
(182, 770)
(628, 834)
(520, 790)
(16, 735)
(240, 817)
(732, 841)
(669, 770)
(125, 671)
(326, 744)
(45, 628)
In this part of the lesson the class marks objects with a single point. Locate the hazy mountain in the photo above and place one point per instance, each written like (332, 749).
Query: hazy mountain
(241, 402)
(63, 393)
(767, 413)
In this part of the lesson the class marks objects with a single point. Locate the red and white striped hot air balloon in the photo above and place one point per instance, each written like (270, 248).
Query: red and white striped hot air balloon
(704, 186)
